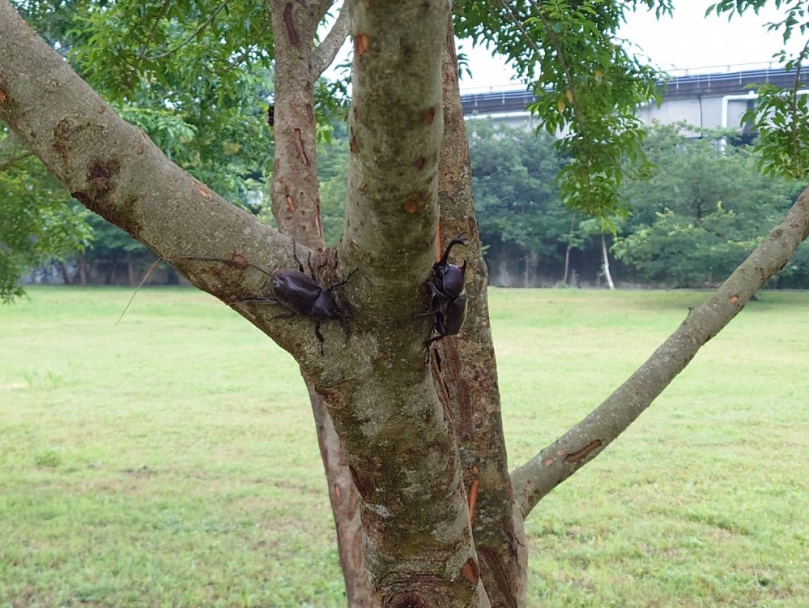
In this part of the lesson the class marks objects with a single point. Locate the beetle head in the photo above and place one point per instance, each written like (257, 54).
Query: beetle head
(451, 278)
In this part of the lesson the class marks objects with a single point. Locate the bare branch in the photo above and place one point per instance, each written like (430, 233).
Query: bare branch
(7, 162)
(326, 51)
(191, 36)
(586, 440)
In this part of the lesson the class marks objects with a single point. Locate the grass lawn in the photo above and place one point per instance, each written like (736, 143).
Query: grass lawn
(171, 460)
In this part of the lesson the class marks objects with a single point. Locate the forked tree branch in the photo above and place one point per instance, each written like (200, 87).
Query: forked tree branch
(326, 51)
(586, 440)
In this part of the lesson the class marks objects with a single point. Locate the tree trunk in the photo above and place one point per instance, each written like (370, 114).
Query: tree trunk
(567, 251)
(83, 269)
(465, 372)
(606, 262)
(63, 271)
(132, 280)
(410, 456)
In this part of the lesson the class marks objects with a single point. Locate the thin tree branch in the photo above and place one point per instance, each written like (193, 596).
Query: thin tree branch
(196, 32)
(586, 440)
(150, 37)
(326, 51)
(7, 162)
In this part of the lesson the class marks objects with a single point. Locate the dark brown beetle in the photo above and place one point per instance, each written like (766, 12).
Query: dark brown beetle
(449, 295)
(296, 291)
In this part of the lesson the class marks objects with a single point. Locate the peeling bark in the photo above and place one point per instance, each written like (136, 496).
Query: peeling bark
(586, 440)
(465, 371)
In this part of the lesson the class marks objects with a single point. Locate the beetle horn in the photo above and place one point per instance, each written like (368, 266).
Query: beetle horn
(458, 240)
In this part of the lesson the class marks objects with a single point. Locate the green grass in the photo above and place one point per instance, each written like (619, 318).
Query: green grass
(171, 460)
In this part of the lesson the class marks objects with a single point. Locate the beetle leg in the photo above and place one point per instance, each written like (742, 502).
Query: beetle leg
(283, 315)
(343, 282)
(295, 255)
(232, 263)
(265, 299)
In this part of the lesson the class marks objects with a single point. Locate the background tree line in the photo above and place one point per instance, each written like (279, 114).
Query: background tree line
(696, 218)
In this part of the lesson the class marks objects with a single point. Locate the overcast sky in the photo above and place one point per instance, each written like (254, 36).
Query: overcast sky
(686, 40)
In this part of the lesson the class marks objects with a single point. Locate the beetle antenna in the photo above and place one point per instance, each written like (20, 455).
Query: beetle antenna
(458, 240)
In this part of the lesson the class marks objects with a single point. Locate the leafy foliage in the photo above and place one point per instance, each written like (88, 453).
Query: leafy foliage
(702, 212)
(38, 221)
(781, 116)
(513, 181)
(587, 81)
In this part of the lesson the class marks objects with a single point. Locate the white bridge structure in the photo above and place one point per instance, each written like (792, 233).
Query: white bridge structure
(703, 97)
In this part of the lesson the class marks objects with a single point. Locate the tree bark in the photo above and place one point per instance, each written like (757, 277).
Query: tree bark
(82, 270)
(586, 440)
(465, 371)
(294, 189)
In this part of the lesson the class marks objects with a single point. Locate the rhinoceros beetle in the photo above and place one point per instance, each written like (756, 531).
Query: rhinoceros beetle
(296, 291)
(449, 295)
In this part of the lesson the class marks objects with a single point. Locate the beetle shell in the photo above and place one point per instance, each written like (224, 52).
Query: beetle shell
(295, 290)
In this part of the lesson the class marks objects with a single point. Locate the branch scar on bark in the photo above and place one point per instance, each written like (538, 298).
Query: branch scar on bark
(299, 146)
(470, 571)
(291, 203)
(429, 116)
(202, 190)
(581, 454)
(360, 43)
(292, 33)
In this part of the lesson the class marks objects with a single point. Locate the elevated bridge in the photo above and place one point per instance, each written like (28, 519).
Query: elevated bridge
(701, 98)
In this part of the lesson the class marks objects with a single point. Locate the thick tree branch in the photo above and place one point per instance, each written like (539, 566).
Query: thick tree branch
(465, 371)
(586, 440)
(114, 169)
(295, 196)
(326, 51)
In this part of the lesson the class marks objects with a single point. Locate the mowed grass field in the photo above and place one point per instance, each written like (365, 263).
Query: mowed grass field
(172, 461)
